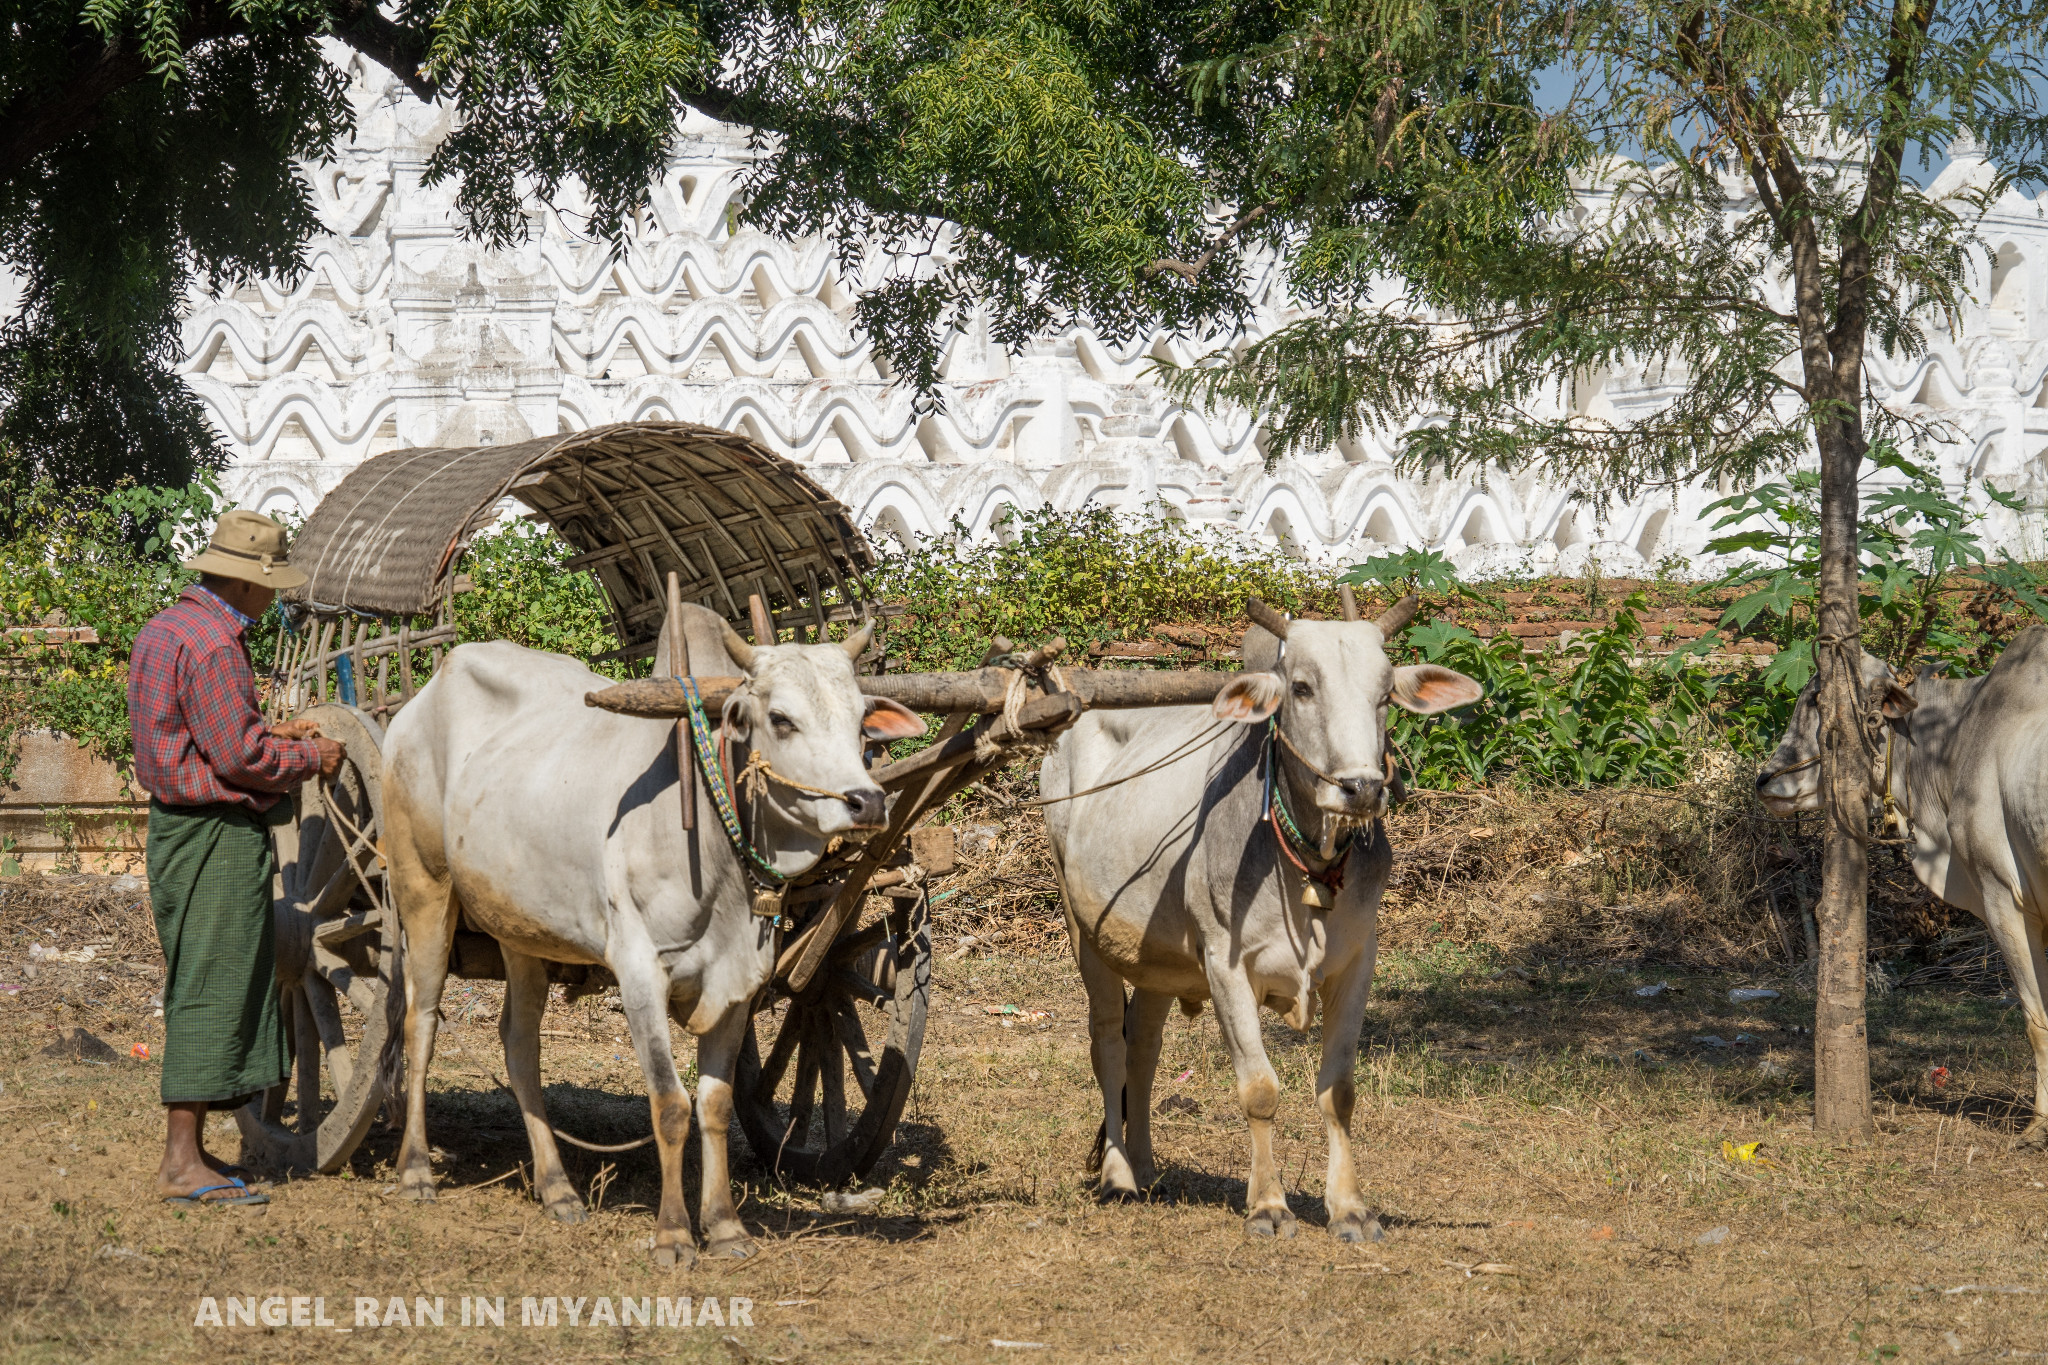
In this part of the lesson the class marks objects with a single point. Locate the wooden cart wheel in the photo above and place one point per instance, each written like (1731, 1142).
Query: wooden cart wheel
(340, 979)
(862, 1016)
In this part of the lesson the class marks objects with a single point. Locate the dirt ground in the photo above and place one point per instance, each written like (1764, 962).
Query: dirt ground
(1545, 1147)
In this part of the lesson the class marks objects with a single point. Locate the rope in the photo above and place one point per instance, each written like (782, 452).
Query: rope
(577, 1141)
(758, 773)
(1293, 842)
(1198, 742)
(1854, 824)
(1300, 757)
(1871, 722)
(708, 759)
(992, 741)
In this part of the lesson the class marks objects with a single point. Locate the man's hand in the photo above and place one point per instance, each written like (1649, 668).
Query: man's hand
(331, 753)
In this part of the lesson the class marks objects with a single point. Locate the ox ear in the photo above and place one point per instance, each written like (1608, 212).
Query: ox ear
(742, 710)
(1427, 689)
(1898, 702)
(1249, 698)
(891, 720)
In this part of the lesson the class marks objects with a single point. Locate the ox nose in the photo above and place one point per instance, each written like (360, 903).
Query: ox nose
(1361, 790)
(1763, 779)
(870, 810)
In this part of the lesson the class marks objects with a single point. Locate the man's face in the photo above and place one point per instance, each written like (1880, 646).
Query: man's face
(250, 599)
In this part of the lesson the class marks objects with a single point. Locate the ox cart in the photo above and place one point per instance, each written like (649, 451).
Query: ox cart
(660, 513)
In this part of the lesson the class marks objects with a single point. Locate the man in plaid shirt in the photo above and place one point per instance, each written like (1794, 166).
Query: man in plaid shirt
(216, 775)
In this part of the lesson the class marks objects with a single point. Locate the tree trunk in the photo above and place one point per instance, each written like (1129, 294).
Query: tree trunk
(1841, 1044)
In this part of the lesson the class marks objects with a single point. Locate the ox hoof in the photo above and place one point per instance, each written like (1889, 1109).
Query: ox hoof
(1111, 1194)
(422, 1193)
(1270, 1223)
(567, 1211)
(730, 1249)
(666, 1257)
(1356, 1227)
(2035, 1139)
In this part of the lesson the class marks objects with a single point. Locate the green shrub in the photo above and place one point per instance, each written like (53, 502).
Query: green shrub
(520, 592)
(1083, 575)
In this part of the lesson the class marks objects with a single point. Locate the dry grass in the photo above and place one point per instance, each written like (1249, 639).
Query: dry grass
(1520, 1107)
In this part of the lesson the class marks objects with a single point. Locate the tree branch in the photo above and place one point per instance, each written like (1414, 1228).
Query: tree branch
(1911, 20)
(1189, 270)
(399, 50)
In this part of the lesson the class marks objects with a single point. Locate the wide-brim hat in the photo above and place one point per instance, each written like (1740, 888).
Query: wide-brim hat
(248, 546)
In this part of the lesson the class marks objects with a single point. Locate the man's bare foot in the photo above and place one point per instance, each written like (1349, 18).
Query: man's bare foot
(187, 1166)
(187, 1179)
(222, 1167)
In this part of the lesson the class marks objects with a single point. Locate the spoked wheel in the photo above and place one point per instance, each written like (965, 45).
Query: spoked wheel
(861, 1017)
(340, 978)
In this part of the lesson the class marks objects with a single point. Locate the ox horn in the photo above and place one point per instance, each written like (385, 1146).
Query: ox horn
(1263, 615)
(1348, 601)
(857, 643)
(742, 652)
(1395, 619)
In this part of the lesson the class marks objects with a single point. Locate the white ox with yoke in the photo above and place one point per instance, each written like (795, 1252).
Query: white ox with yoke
(1204, 853)
(514, 809)
(1965, 762)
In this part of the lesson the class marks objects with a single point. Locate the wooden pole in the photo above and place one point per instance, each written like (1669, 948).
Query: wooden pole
(764, 624)
(979, 691)
(679, 666)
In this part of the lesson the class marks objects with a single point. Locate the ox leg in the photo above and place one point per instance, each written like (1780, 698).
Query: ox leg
(2019, 936)
(643, 992)
(526, 999)
(1108, 1053)
(1144, 1031)
(1344, 998)
(717, 1051)
(1258, 1093)
(428, 912)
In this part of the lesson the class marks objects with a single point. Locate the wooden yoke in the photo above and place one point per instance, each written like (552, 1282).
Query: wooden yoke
(679, 666)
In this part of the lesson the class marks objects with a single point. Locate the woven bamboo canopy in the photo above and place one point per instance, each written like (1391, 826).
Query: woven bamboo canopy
(637, 500)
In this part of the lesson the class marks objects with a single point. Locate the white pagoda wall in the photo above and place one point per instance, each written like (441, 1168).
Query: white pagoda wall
(403, 333)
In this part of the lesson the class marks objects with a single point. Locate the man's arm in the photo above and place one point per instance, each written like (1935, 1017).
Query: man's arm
(218, 693)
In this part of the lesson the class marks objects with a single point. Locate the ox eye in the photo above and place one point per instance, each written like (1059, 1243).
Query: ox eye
(1303, 691)
(783, 724)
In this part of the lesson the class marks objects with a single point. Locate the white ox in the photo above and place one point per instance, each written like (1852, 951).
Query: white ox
(513, 809)
(1175, 882)
(1969, 770)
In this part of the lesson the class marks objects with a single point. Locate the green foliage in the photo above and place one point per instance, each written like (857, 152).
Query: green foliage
(1083, 575)
(1590, 713)
(181, 171)
(108, 562)
(1719, 132)
(151, 147)
(1915, 542)
(111, 562)
(520, 592)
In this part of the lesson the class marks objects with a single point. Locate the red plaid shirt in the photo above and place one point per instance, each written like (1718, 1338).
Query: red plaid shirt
(199, 739)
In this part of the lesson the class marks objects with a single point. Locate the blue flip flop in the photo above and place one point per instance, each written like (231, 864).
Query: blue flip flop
(198, 1197)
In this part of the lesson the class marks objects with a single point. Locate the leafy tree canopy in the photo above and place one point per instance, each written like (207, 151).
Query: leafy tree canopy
(146, 146)
(1755, 229)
